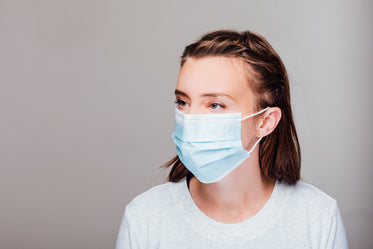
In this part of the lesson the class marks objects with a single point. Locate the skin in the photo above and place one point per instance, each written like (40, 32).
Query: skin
(222, 85)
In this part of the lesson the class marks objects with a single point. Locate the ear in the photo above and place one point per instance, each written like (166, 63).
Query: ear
(268, 121)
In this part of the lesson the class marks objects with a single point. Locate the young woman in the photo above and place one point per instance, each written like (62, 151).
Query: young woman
(235, 181)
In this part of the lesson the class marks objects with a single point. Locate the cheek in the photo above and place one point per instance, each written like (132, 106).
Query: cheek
(247, 133)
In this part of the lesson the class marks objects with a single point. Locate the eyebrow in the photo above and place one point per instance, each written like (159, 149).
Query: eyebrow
(178, 92)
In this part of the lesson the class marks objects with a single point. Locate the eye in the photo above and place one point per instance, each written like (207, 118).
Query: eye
(180, 103)
(216, 106)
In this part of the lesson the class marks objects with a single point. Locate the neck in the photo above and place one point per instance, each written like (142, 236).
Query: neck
(238, 196)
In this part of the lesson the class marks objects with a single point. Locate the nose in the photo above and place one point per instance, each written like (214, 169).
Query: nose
(196, 109)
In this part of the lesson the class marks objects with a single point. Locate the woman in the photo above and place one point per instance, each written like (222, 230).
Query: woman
(235, 181)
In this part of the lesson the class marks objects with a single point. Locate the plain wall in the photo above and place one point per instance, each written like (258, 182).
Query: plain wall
(86, 106)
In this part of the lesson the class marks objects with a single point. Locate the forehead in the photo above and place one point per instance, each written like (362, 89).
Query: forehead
(214, 74)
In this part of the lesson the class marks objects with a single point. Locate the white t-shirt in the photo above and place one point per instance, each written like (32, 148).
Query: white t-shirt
(294, 217)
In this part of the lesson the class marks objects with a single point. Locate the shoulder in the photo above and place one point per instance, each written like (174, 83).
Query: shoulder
(308, 202)
(155, 195)
(154, 202)
(320, 214)
(145, 215)
(309, 194)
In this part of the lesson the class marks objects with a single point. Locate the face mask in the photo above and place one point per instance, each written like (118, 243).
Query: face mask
(209, 145)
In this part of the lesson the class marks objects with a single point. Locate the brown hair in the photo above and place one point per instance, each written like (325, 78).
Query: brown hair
(279, 152)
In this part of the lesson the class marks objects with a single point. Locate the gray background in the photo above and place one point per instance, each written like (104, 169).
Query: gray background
(86, 92)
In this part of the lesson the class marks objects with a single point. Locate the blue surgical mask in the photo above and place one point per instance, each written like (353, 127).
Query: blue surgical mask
(209, 145)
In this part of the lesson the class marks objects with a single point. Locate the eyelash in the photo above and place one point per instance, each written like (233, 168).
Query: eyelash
(182, 103)
(214, 103)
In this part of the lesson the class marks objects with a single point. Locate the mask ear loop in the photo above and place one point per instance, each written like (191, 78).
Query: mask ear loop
(252, 115)
(256, 143)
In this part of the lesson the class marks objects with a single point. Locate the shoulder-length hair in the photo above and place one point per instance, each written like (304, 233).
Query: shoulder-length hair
(279, 152)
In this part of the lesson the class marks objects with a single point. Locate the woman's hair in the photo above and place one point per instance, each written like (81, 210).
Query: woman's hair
(279, 152)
